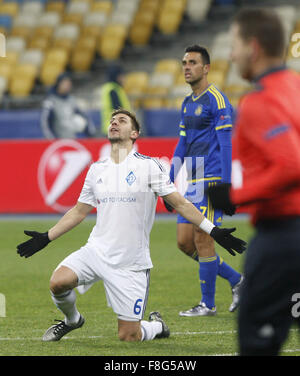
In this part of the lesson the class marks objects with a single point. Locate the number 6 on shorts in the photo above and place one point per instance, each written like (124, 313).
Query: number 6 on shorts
(137, 306)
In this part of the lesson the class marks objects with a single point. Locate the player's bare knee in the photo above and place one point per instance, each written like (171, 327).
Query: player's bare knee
(58, 285)
(62, 280)
(185, 247)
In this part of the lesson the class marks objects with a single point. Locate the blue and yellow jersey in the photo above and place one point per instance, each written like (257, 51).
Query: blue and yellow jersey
(204, 119)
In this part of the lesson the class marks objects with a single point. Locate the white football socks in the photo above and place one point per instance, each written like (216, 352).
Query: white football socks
(66, 304)
(150, 329)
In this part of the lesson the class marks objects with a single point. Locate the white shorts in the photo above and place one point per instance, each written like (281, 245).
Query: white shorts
(126, 290)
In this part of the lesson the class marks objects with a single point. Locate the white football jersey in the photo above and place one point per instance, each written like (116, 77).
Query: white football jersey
(125, 196)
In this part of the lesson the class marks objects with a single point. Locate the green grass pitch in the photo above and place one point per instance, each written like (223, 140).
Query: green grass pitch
(173, 286)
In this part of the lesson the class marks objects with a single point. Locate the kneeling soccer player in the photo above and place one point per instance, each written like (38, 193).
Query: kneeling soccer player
(124, 188)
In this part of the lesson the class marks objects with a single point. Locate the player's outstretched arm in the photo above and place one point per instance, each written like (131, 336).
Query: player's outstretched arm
(221, 235)
(39, 240)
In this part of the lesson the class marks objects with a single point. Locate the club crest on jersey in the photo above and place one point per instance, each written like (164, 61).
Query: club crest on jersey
(198, 110)
(130, 178)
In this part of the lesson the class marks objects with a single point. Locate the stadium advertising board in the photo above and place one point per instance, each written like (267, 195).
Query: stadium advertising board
(41, 176)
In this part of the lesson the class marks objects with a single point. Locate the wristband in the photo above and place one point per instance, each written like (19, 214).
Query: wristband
(206, 226)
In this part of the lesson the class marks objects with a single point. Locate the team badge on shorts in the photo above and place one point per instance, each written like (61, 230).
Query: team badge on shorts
(130, 178)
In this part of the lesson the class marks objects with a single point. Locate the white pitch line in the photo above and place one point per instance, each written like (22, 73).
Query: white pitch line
(221, 332)
(205, 333)
(92, 337)
(40, 338)
(282, 351)
(175, 333)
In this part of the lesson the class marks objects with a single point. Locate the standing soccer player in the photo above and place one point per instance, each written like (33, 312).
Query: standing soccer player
(124, 188)
(266, 181)
(205, 146)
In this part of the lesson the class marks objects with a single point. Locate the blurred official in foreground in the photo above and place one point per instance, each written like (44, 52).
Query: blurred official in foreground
(266, 181)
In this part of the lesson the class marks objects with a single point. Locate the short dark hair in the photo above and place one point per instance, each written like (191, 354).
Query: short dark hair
(264, 25)
(132, 116)
(201, 50)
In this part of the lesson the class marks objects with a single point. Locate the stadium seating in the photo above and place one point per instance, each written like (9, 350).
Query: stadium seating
(294, 64)
(172, 66)
(198, 10)
(41, 42)
(112, 41)
(82, 58)
(135, 83)
(34, 8)
(33, 56)
(11, 58)
(54, 63)
(157, 90)
(2, 45)
(11, 9)
(6, 70)
(102, 6)
(78, 7)
(57, 55)
(49, 73)
(67, 30)
(84, 29)
(3, 86)
(23, 79)
(57, 35)
(140, 34)
(56, 6)
(177, 94)
(220, 48)
(21, 31)
(16, 44)
(49, 37)
(143, 23)
(5, 20)
(170, 16)
(21, 86)
(97, 19)
(49, 18)
(288, 17)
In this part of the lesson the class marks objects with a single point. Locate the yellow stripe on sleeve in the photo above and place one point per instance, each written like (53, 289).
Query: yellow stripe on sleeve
(219, 97)
(223, 126)
(216, 97)
(204, 179)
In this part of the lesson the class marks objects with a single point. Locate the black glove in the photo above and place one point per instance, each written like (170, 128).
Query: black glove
(36, 243)
(168, 207)
(223, 237)
(220, 199)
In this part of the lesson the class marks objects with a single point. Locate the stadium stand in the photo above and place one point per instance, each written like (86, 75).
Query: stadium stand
(45, 38)
(197, 11)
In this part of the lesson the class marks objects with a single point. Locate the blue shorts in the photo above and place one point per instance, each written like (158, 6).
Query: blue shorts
(196, 194)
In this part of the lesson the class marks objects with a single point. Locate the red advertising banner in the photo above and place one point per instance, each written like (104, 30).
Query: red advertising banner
(41, 176)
